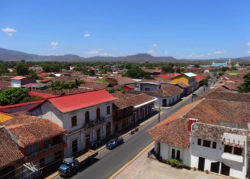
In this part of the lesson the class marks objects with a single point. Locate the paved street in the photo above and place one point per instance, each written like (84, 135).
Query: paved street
(108, 162)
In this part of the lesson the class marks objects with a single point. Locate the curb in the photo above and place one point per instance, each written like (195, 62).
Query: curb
(103, 147)
(129, 162)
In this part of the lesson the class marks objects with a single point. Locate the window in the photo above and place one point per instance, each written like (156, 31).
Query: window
(47, 143)
(178, 155)
(173, 153)
(147, 89)
(206, 143)
(199, 141)
(73, 121)
(98, 113)
(32, 148)
(228, 149)
(86, 117)
(214, 145)
(108, 109)
(237, 151)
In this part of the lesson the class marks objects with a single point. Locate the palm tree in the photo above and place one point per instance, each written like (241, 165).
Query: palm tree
(54, 86)
(61, 86)
(70, 85)
(78, 82)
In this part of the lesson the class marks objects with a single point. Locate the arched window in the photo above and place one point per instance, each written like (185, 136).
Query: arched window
(173, 153)
(108, 109)
(98, 111)
(178, 155)
(86, 117)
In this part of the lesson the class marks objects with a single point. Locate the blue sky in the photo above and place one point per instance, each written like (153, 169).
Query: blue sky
(200, 29)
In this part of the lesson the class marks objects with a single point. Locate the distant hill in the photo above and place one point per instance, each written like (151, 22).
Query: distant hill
(11, 55)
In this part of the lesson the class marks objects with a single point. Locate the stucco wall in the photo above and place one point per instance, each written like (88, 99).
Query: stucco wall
(150, 86)
(179, 79)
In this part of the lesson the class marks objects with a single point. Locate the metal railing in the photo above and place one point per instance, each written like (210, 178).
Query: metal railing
(34, 154)
(94, 123)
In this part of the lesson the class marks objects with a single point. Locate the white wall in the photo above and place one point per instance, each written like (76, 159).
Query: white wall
(152, 87)
(15, 83)
(237, 169)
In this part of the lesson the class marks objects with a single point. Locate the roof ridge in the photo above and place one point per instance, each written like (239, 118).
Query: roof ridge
(197, 102)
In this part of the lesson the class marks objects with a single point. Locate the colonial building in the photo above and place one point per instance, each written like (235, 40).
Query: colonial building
(86, 116)
(209, 135)
(129, 109)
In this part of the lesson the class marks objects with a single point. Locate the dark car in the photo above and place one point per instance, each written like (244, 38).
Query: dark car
(114, 143)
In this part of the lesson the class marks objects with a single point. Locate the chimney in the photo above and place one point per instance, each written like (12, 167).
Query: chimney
(190, 122)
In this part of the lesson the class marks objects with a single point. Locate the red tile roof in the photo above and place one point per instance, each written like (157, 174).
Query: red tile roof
(46, 80)
(8, 151)
(28, 85)
(30, 129)
(199, 78)
(81, 100)
(42, 95)
(21, 104)
(183, 85)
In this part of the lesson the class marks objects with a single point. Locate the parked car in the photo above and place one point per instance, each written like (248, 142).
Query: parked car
(70, 165)
(114, 143)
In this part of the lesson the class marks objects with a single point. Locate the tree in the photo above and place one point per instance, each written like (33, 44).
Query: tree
(33, 75)
(233, 68)
(197, 66)
(224, 69)
(61, 86)
(110, 90)
(245, 87)
(13, 95)
(204, 81)
(78, 82)
(22, 70)
(55, 86)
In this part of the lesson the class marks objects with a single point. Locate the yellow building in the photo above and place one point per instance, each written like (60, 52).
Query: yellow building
(5, 117)
(188, 79)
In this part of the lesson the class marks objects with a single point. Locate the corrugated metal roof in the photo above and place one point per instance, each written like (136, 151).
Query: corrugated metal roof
(190, 74)
(81, 100)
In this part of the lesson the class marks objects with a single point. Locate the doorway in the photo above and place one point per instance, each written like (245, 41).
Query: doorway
(201, 164)
(225, 170)
(74, 146)
(108, 129)
(87, 140)
(99, 134)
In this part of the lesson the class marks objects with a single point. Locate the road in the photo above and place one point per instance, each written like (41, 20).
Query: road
(109, 161)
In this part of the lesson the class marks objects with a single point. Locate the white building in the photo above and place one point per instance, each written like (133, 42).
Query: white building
(221, 148)
(86, 117)
(148, 86)
(18, 81)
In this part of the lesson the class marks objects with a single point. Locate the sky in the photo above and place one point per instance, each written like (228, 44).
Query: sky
(193, 29)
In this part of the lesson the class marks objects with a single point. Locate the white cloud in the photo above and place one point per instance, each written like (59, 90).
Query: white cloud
(248, 44)
(152, 51)
(155, 45)
(166, 51)
(248, 51)
(199, 55)
(87, 34)
(9, 31)
(209, 54)
(94, 51)
(54, 45)
(220, 52)
(105, 54)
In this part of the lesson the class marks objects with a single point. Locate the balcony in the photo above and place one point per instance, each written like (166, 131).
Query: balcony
(94, 123)
(117, 118)
(46, 150)
(236, 158)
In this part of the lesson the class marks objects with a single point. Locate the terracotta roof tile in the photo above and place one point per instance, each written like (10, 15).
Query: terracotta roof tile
(30, 129)
(183, 85)
(8, 150)
(120, 81)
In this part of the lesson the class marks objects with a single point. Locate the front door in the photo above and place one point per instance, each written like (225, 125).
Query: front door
(99, 134)
(87, 140)
(201, 164)
(74, 146)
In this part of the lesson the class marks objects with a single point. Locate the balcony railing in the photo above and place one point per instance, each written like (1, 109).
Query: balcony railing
(94, 123)
(34, 154)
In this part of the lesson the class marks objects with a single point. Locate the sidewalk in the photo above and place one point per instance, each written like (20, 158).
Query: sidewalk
(135, 166)
(142, 167)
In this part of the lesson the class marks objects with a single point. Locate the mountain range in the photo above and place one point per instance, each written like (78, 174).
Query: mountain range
(11, 55)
